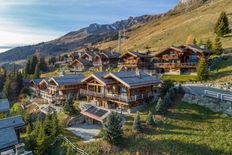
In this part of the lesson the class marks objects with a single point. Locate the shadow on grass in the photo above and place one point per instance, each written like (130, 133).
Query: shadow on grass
(139, 144)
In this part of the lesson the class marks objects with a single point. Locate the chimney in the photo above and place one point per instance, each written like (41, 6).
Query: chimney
(19, 149)
(137, 72)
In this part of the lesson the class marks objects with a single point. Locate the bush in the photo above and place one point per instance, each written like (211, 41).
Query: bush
(166, 85)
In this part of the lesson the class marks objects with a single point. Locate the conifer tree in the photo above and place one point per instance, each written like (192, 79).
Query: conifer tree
(56, 129)
(194, 41)
(202, 70)
(160, 107)
(112, 131)
(7, 89)
(37, 72)
(222, 25)
(43, 65)
(165, 86)
(34, 62)
(172, 93)
(180, 89)
(69, 107)
(137, 123)
(209, 45)
(150, 119)
(27, 70)
(217, 49)
(41, 141)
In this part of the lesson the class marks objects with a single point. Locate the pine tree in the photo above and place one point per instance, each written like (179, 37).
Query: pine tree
(41, 141)
(172, 93)
(150, 119)
(37, 72)
(209, 45)
(217, 49)
(222, 25)
(69, 107)
(137, 123)
(112, 131)
(19, 80)
(194, 41)
(56, 129)
(43, 65)
(7, 89)
(180, 89)
(27, 70)
(202, 70)
(165, 86)
(160, 107)
(34, 62)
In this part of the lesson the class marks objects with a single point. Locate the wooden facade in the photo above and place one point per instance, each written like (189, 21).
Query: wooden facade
(135, 60)
(80, 65)
(106, 60)
(180, 60)
(108, 91)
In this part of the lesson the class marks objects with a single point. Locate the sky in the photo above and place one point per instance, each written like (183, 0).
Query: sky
(25, 22)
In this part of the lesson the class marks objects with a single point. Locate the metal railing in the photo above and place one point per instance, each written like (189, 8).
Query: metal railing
(219, 96)
(117, 97)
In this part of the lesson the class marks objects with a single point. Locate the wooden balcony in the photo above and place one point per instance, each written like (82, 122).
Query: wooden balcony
(116, 97)
(171, 56)
(176, 65)
(53, 87)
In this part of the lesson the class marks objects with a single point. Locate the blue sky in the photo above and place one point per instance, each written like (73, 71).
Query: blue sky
(25, 22)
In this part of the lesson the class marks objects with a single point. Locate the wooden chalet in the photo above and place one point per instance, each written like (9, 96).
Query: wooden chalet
(59, 88)
(73, 56)
(88, 55)
(80, 65)
(135, 60)
(180, 60)
(34, 86)
(105, 60)
(122, 90)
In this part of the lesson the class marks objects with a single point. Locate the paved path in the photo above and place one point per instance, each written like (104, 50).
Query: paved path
(85, 131)
(199, 89)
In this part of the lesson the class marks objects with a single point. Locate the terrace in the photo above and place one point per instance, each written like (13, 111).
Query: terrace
(116, 97)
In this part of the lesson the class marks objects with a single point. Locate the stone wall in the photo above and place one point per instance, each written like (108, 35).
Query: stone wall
(211, 103)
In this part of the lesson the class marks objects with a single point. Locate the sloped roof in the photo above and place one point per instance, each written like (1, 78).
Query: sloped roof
(16, 121)
(196, 48)
(111, 54)
(137, 54)
(68, 79)
(134, 79)
(4, 105)
(8, 138)
(90, 53)
(36, 81)
(99, 76)
(83, 62)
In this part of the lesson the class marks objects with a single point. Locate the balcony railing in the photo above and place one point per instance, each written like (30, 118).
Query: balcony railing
(53, 87)
(173, 56)
(117, 97)
(176, 65)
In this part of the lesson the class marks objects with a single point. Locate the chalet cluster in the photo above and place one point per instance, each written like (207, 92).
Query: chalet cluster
(173, 60)
(125, 90)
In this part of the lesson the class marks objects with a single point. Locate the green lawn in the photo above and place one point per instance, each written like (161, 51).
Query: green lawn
(179, 78)
(187, 129)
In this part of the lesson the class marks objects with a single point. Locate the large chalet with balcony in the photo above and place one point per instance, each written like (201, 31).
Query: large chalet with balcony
(180, 60)
(119, 90)
(106, 60)
(57, 89)
(135, 60)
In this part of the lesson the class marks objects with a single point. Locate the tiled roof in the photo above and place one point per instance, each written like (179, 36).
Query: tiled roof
(8, 138)
(4, 105)
(69, 79)
(15, 121)
(133, 79)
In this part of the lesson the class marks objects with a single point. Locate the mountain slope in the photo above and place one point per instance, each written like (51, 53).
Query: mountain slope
(174, 29)
(87, 36)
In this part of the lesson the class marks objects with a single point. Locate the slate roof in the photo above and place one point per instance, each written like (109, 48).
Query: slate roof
(111, 54)
(91, 53)
(69, 79)
(141, 55)
(16, 121)
(133, 79)
(84, 62)
(196, 48)
(4, 105)
(36, 81)
(8, 138)
(101, 75)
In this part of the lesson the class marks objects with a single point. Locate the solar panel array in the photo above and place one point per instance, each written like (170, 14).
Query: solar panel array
(96, 111)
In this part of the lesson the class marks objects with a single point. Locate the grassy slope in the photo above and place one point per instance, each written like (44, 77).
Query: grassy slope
(187, 129)
(175, 29)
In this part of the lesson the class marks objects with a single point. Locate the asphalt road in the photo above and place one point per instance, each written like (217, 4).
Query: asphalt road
(200, 89)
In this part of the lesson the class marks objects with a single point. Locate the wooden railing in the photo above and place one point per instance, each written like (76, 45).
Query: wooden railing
(117, 97)
(176, 65)
(172, 56)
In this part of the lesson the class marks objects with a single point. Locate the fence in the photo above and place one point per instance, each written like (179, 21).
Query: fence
(219, 96)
